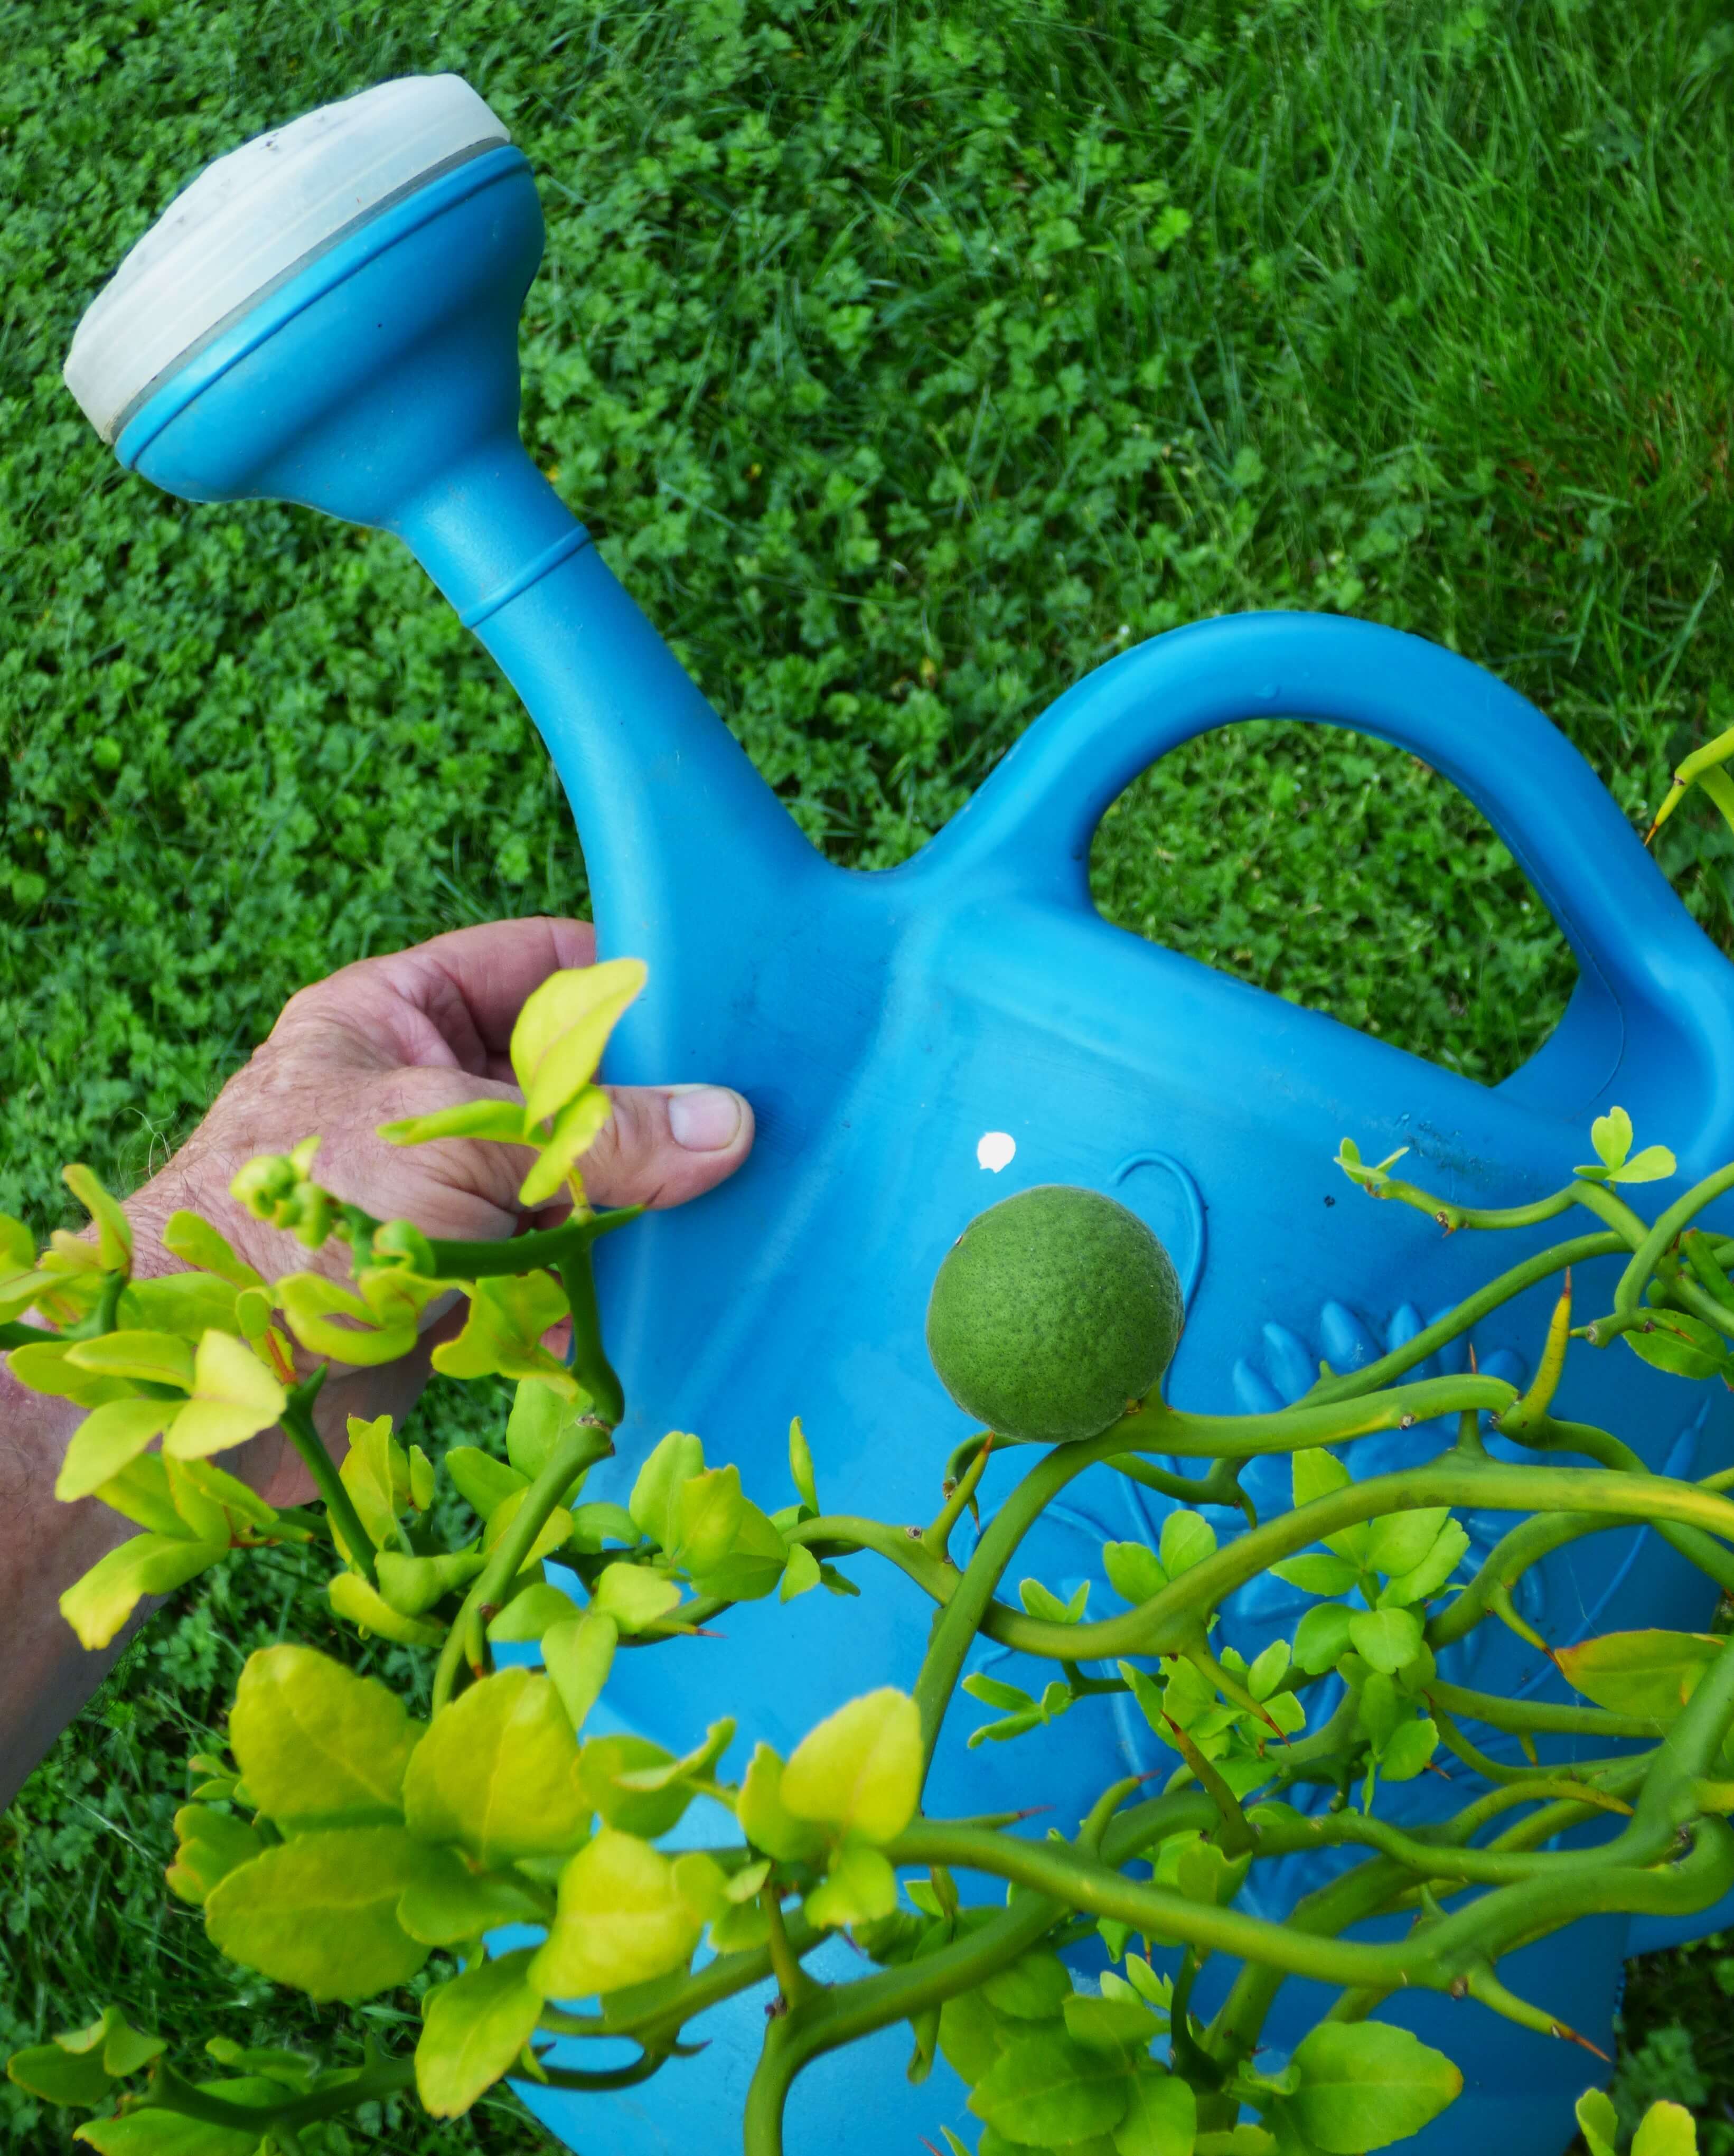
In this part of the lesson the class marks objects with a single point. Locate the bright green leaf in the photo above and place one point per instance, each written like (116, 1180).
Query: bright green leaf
(1406, 1754)
(1366, 2084)
(1318, 1573)
(1188, 1538)
(1044, 2089)
(1397, 1543)
(1134, 1571)
(1321, 1638)
(1033, 1988)
(1405, 1589)
(1161, 2118)
(1386, 1638)
(1598, 2122)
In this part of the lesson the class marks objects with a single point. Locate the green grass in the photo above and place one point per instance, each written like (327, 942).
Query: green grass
(911, 360)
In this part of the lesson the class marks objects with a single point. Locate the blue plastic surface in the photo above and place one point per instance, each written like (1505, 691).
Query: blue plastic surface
(882, 1024)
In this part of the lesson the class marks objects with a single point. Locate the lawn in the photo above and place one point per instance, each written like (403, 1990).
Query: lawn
(909, 361)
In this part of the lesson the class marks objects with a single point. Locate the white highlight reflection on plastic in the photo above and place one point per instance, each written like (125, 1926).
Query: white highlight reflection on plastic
(994, 1149)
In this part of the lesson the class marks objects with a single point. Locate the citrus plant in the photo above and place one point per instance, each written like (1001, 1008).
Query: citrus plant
(339, 1844)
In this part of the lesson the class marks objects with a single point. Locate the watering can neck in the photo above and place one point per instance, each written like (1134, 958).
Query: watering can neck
(379, 383)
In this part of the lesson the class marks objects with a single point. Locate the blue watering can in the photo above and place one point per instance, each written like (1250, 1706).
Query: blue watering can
(329, 317)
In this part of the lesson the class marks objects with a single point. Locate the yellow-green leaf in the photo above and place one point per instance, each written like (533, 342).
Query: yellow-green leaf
(114, 1231)
(475, 2027)
(1364, 2085)
(45, 1366)
(310, 1301)
(765, 1819)
(366, 1609)
(157, 1358)
(554, 1531)
(184, 1304)
(98, 1605)
(196, 1243)
(497, 1772)
(623, 1919)
(1665, 2129)
(858, 1887)
(106, 1441)
(234, 1397)
(1651, 1674)
(860, 1770)
(501, 1121)
(635, 1597)
(564, 1028)
(319, 1913)
(210, 1845)
(578, 1653)
(502, 1334)
(575, 1130)
(317, 1745)
(450, 1903)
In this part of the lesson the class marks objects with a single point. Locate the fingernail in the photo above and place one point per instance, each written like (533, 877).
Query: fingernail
(705, 1119)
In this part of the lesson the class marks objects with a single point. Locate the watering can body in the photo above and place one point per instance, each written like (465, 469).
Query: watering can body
(884, 1025)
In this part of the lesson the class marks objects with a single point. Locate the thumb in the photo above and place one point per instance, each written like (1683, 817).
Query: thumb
(665, 1144)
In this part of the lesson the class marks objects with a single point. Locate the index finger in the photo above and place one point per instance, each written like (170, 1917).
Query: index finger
(452, 1000)
(472, 982)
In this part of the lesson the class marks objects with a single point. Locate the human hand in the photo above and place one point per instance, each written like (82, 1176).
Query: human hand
(405, 1035)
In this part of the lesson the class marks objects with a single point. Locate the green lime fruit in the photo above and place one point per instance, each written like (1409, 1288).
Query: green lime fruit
(1052, 1311)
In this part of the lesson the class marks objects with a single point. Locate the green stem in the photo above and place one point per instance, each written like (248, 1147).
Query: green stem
(586, 1357)
(1633, 1281)
(548, 1249)
(1519, 1714)
(1164, 1625)
(963, 1611)
(1372, 1376)
(169, 2091)
(585, 1443)
(299, 1427)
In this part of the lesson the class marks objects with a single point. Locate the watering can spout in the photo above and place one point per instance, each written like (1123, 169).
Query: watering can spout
(329, 317)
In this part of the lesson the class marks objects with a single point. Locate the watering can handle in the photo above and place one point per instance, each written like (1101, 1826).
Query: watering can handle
(1648, 969)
